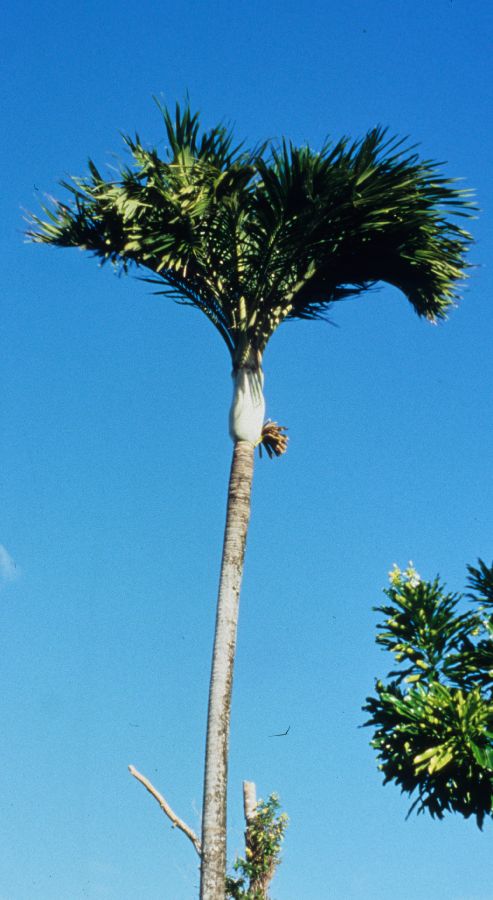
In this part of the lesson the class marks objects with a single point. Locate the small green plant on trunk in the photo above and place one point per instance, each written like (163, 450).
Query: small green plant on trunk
(263, 839)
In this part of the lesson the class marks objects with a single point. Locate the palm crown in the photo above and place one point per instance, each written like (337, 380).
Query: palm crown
(252, 237)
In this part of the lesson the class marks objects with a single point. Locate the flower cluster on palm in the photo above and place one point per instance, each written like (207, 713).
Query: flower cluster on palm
(252, 237)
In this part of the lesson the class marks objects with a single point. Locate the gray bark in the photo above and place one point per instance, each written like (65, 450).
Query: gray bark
(213, 863)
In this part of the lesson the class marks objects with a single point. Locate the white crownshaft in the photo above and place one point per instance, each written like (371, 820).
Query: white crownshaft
(247, 413)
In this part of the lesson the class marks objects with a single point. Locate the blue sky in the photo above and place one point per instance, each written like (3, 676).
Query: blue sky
(115, 457)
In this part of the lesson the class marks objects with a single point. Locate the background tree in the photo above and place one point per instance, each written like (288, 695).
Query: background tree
(251, 238)
(433, 719)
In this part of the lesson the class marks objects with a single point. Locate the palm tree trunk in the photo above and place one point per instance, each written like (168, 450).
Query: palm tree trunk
(213, 865)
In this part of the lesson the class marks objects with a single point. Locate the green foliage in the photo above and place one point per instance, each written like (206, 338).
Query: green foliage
(433, 719)
(481, 580)
(264, 837)
(251, 237)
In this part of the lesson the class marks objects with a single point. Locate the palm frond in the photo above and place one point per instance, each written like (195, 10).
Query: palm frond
(481, 580)
(368, 213)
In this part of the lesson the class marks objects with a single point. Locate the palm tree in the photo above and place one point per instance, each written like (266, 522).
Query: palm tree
(252, 237)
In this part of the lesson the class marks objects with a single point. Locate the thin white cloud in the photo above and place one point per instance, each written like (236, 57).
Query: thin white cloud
(8, 568)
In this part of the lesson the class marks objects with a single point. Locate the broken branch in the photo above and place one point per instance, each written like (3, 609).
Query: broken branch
(166, 808)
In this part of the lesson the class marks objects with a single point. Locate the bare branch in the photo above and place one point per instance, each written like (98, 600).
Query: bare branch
(176, 822)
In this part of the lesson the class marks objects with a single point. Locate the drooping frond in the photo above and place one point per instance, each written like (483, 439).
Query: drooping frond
(357, 214)
(253, 237)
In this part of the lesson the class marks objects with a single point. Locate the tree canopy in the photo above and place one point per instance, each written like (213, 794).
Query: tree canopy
(433, 718)
(254, 236)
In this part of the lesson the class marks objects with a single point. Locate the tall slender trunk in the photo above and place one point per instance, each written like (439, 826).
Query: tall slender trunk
(213, 865)
(245, 426)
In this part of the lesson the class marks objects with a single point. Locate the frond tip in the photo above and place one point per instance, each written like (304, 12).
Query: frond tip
(274, 439)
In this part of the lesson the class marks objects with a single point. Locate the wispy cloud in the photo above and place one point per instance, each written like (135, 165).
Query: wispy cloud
(8, 568)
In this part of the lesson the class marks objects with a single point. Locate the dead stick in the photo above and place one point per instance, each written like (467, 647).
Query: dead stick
(166, 808)
(249, 801)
